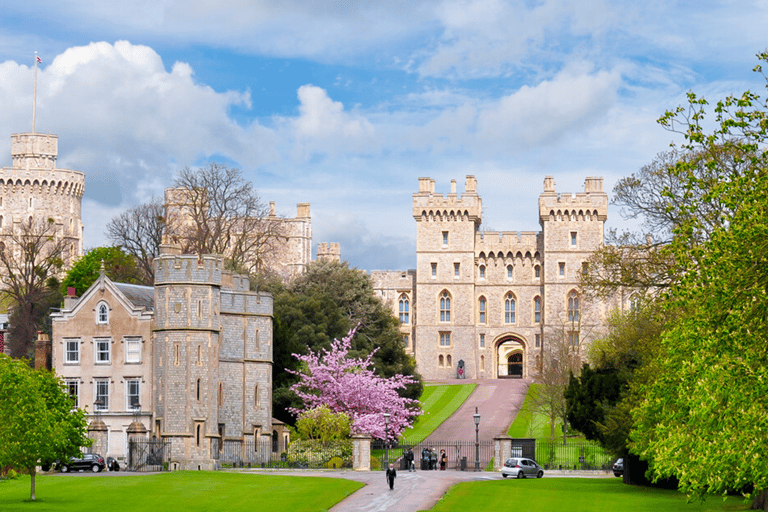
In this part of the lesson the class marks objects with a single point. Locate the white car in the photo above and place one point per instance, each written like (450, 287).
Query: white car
(521, 468)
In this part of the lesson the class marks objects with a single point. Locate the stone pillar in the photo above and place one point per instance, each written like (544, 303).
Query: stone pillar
(136, 432)
(502, 451)
(361, 452)
(97, 431)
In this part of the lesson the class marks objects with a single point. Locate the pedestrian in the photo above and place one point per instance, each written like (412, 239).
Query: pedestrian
(433, 459)
(409, 460)
(391, 474)
(443, 460)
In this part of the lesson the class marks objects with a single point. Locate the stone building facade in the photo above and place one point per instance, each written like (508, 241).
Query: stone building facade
(487, 305)
(188, 361)
(34, 189)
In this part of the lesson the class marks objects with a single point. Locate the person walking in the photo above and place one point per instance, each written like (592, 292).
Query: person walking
(391, 474)
(443, 460)
(409, 460)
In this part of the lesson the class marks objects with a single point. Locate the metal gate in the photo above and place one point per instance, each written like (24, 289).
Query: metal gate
(462, 455)
(148, 455)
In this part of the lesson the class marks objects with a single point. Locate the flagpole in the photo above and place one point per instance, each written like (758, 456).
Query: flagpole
(34, 97)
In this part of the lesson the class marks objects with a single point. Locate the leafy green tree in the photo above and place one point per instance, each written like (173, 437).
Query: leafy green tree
(702, 414)
(39, 423)
(118, 266)
(322, 424)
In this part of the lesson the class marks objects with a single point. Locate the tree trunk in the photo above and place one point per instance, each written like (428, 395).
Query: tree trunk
(32, 472)
(760, 501)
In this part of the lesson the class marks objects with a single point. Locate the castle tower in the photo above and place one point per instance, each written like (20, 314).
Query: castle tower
(573, 227)
(212, 361)
(445, 267)
(34, 188)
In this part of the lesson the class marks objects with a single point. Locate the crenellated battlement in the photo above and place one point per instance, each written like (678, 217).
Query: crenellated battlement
(592, 204)
(189, 269)
(429, 206)
(507, 242)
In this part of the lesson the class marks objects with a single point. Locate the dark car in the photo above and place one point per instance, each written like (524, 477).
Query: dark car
(520, 468)
(92, 461)
(618, 467)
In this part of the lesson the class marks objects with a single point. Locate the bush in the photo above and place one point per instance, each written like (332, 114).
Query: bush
(312, 452)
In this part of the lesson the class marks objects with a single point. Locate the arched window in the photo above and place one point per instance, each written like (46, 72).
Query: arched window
(448, 361)
(537, 310)
(445, 307)
(481, 306)
(404, 309)
(482, 271)
(440, 361)
(256, 397)
(102, 313)
(537, 271)
(482, 363)
(509, 272)
(573, 307)
(509, 308)
(198, 389)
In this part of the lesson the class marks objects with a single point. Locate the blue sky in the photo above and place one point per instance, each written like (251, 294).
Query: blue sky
(345, 104)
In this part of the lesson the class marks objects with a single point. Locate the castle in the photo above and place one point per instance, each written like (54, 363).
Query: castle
(487, 305)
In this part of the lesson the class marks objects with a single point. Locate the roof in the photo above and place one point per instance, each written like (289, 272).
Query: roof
(140, 296)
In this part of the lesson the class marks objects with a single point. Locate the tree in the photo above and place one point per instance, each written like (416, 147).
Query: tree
(38, 423)
(323, 425)
(216, 211)
(31, 258)
(139, 232)
(118, 266)
(349, 385)
(702, 414)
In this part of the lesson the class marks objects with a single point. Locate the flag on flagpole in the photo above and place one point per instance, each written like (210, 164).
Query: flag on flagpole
(39, 60)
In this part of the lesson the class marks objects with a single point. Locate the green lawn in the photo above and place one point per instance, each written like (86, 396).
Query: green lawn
(573, 495)
(189, 491)
(438, 403)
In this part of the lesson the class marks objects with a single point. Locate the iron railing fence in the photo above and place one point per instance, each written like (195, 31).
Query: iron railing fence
(300, 455)
(462, 454)
(572, 455)
(148, 455)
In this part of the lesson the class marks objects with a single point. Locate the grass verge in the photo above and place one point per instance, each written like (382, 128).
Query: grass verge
(574, 495)
(190, 491)
(438, 403)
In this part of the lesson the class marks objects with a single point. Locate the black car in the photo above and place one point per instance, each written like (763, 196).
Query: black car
(91, 461)
(618, 467)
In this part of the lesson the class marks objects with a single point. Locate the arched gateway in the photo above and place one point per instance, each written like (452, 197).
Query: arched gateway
(510, 356)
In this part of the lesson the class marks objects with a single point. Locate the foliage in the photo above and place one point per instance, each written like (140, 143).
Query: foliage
(590, 397)
(31, 258)
(323, 425)
(118, 266)
(349, 385)
(38, 421)
(139, 232)
(190, 491)
(314, 452)
(702, 415)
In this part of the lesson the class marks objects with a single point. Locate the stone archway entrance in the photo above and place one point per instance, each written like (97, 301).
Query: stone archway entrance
(510, 355)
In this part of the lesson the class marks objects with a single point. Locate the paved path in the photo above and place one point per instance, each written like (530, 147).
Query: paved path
(498, 402)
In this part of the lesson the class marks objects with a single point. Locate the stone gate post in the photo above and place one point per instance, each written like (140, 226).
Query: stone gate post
(361, 452)
(502, 451)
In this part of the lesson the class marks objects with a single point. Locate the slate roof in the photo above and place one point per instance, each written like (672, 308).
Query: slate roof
(140, 296)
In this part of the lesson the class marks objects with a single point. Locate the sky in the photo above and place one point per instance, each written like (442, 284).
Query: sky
(344, 104)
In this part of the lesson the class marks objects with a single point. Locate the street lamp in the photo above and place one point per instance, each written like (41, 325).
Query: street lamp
(476, 417)
(386, 441)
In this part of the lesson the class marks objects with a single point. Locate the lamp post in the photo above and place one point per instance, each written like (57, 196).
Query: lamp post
(476, 417)
(386, 441)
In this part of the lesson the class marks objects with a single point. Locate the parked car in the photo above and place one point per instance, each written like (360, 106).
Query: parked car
(92, 461)
(618, 467)
(520, 468)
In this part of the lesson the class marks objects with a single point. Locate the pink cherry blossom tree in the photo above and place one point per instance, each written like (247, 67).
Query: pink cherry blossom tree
(349, 385)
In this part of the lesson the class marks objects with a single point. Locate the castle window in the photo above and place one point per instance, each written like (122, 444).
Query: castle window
(102, 313)
(482, 271)
(509, 308)
(509, 272)
(256, 397)
(445, 339)
(102, 351)
(482, 341)
(406, 340)
(634, 302)
(456, 267)
(404, 304)
(537, 271)
(445, 307)
(537, 310)
(133, 350)
(573, 339)
(573, 239)
(440, 361)
(537, 340)
(73, 388)
(198, 432)
(132, 395)
(448, 361)
(72, 348)
(445, 238)
(482, 363)
(176, 354)
(434, 270)
(197, 390)
(221, 394)
(102, 395)
(573, 307)
(482, 306)
(561, 269)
